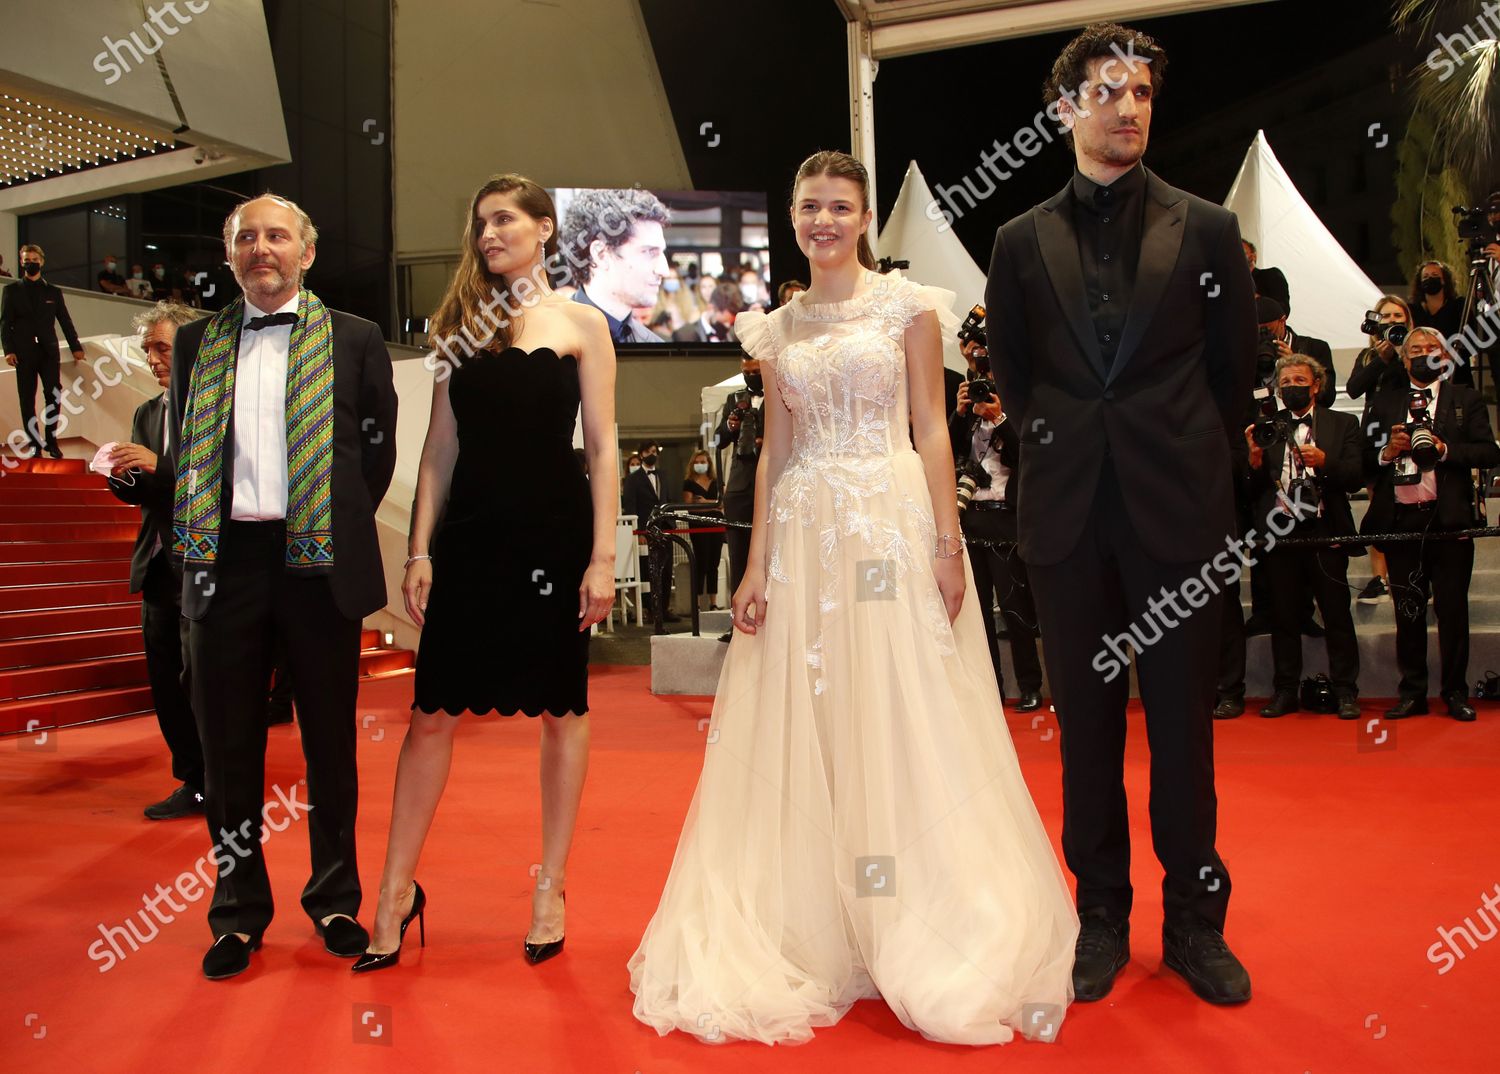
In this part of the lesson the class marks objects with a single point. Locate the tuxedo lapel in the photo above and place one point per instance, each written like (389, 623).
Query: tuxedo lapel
(1161, 242)
(1058, 241)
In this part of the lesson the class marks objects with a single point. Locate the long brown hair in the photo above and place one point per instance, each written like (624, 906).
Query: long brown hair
(462, 307)
(837, 165)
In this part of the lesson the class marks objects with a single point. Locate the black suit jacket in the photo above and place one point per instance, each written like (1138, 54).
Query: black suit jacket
(1320, 351)
(1179, 379)
(1338, 435)
(639, 499)
(364, 457)
(152, 493)
(695, 333)
(1461, 421)
(30, 314)
(741, 471)
(1005, 440)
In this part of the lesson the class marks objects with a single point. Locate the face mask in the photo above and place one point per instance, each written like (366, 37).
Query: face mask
(32, 268)
(649, 461)
(1426, 368)
(1432, 286)
(136, 274)
(1296, 396)
(109, 266)
(749, 292)
(700, 467)
(633, 469)
(161, 273)
(756, 382)
(670, 286)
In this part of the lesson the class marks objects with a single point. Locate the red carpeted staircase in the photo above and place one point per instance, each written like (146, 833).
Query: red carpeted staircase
(70, 630)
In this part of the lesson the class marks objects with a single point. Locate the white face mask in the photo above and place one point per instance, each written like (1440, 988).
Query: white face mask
(633, 469)
(700, 467)
(749, 292)
(109, 266)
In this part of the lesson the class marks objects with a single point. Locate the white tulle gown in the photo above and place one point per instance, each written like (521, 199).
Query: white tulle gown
(861, 827)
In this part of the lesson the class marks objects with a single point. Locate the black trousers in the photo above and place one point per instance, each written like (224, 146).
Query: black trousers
(1232, 641)
(707, 548)
(1442, 568)
(161, 615)
(1322, 573)
(1000, 572)
(46, 368)
(738, 508)
(1085, 602)
(257, 604)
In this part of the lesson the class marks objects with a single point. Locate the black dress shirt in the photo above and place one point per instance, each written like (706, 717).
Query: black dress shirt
(1109, 221)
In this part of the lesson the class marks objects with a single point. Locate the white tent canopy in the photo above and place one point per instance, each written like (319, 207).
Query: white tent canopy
(1330, 293)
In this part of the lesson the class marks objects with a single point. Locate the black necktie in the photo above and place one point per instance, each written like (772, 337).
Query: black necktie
(255, 324)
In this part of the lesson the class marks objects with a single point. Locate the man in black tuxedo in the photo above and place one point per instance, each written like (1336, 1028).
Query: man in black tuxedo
(259, 591)
(716, 324)
(1329, 454)
(741, 430)
(30, 314)
(986, 440)
(142, 474)
(1405, 497)
(1121, 330)
(641, 493)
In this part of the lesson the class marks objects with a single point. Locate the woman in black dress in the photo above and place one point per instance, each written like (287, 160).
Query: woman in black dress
(700, 487)
(511, 552)
(1435, 303)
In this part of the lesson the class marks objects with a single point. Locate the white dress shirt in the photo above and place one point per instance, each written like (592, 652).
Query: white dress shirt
(989, 459)
(259, 475)
(1291, 467)
(1426, 489)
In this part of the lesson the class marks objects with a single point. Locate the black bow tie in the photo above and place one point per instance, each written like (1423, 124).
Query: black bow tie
(1305, 420)
(255, 324)
(1425, 393)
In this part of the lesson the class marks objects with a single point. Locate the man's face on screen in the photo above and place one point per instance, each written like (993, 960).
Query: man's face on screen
(632, 272)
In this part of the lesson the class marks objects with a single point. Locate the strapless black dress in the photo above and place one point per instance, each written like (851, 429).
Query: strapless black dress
(508, 557)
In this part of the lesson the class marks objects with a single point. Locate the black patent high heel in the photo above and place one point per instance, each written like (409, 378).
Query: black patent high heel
(541, 952)
(369, 961)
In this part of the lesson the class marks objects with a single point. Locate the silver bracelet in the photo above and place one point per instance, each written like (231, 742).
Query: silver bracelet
(412, 559)
(937, 550)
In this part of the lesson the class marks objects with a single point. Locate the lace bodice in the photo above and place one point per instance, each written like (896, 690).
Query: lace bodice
(841, 366)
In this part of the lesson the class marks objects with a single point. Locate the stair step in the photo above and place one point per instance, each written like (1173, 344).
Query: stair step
(68, 480)
(60, 710)
(40, 652)
(14, 494)
(42, 552)
(17, 625)
(62, 595)
(111, 671)
(83, 570)
(58, 532)
(15, 465)
(382, 662)
(369, 639)
(34, 514)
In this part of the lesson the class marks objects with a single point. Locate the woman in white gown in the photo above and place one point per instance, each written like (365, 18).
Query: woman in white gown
(861, 827)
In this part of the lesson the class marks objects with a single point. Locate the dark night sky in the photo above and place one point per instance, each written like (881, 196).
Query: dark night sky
(943, 108)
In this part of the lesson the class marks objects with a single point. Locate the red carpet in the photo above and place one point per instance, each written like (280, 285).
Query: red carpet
(1346, 862)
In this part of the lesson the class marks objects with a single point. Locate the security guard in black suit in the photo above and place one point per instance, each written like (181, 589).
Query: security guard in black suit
(30, 313)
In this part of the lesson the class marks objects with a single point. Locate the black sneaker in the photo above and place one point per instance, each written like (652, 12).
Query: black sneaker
(1375, 592)
(183, 802)
(1102, 950)
(1200, 955)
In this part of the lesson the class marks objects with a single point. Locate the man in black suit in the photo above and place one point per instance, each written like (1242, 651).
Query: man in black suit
(1427, 489)
(1329, 455)
(142, 474)
(30, 314)
(716, 325)
(639, 496)
(985, 442)
(258, 575)
(742, 431)
(1121, 330)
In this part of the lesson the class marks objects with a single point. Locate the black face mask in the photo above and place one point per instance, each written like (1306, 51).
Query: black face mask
(1432, 286)
(32, 268)
(1296, 396)
(1426, 368)
(756, 382)
(648, 461)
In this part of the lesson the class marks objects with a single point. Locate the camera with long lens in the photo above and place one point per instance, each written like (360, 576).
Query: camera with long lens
(1424, 450)
(1269, 426)
(1266, 355)
(750, 431)
(1475, 229)
(1393, 333)
(972, 330)
(971, 478)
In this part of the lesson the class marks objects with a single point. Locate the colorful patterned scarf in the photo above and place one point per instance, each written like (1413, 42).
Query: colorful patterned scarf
(309, 438)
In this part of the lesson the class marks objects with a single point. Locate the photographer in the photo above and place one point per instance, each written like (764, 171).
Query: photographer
(741, 430)
(1423, 445)
(1279, 341)
(1304, 462)
(1435, 304)
(987, 450)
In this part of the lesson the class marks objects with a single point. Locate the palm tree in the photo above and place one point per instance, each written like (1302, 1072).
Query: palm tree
(1457, 87)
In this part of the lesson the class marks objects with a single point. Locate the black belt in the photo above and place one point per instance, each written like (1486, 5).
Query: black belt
(988, 505)
(1424, 505)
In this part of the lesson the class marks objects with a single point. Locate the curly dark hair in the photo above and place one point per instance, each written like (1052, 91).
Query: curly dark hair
(1418, 297)
(1098, 41)
(598, 214)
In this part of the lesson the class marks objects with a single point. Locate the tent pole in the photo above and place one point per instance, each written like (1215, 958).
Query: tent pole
(862, 69)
